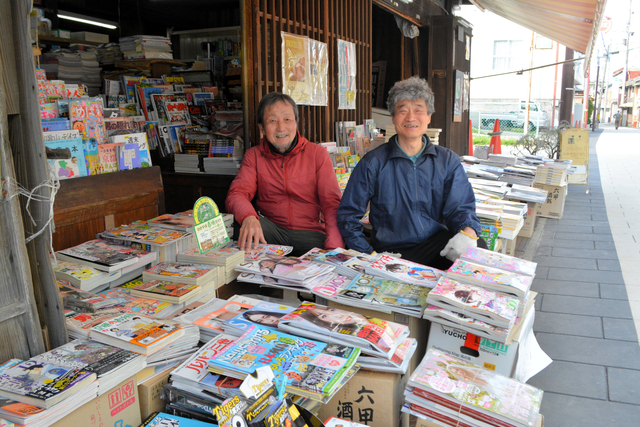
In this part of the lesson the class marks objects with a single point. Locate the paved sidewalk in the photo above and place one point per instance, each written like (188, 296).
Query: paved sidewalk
(584, 321)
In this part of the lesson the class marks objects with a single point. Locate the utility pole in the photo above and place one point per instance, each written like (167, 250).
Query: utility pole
(595, 101)
(566, 95)
(626, 60)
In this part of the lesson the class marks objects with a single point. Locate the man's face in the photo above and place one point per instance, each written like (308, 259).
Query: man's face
(411, 119)
(280, 127)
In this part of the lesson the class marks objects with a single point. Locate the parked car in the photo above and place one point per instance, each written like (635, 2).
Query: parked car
(537, 117)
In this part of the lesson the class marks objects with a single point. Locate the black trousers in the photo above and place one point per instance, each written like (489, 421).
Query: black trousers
(428, 252)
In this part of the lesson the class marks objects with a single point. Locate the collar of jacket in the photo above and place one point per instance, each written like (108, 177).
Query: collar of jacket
(267, 150)
(396, 151)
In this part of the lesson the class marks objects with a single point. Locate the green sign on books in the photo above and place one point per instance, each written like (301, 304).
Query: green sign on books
(209, 225)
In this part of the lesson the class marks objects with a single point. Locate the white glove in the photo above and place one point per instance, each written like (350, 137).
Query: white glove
(457, 245)
(392, 254)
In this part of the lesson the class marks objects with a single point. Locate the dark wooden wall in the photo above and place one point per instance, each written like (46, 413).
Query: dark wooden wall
(321, 20)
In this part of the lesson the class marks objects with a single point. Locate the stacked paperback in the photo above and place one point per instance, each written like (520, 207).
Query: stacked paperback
(449, 391)
(141, 47)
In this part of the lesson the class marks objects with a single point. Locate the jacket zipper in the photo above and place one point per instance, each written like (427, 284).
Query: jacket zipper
(415, 179)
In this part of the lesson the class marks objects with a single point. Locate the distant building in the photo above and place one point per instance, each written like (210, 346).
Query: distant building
(625, 101)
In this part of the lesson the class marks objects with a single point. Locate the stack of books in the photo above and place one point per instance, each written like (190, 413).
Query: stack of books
(140, 235)
(141, 47)
(526, 194)
(384, 341)
(187, 163)
(402, 270)
(449, 391)
(81, 301)
(314, 369)
(83, 277)
(347, 262)
(227, 258)
(552, 173)
(280, 267)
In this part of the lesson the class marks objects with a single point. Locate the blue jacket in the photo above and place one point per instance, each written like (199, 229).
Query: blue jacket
(409, 203)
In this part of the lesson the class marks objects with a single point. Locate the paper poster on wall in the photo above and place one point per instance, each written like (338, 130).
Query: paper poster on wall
(346, 75)
(295, 67)
(318, 69)
(465, 100)
(458, 95)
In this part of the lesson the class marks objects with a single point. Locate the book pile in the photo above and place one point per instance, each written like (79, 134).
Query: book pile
(222, 165)
(526, 194)
(473, 309)
(90, 70)
(77, 300)
(402, 270)
(493, 189)
(377, 293)
(449, 391)
(83, 277)
(518, 174)
(108, 53)
(187, 163)
(161, 341)
(139, 234)
(136, 304)
(70, 67)
(77, 371)
(227, 258)
(314, 369)
(512, 216)
(552, 173)
(205, 278)
(385, 341)
(179, 221)
(210, 316)
(347, 262)
(281, 267)
(141, 47)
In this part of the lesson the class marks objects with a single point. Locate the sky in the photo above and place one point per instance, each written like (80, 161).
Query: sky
(618, 11)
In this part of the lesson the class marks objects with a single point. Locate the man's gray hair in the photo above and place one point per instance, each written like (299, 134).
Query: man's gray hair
(411, 89)
(273, 98)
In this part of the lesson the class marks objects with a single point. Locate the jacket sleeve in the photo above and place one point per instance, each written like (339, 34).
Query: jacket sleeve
(329, 196)
(243, 189)
(353, 206)
(460, 202)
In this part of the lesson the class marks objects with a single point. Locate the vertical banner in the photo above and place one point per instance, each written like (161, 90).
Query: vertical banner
(318, 70)
(295, 68)
(458, 95)
(346, 75)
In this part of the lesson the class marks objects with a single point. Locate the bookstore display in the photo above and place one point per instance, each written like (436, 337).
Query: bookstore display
(143, 297)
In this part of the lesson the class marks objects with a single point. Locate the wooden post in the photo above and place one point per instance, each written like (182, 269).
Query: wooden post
(31, 171)
(20, 334)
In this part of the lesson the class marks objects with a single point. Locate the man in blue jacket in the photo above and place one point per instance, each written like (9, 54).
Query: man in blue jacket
(421, 202)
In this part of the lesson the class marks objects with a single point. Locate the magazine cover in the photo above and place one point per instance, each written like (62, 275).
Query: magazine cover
(492, 307)
(498, 260)
(490, 278)
(214, 319)
(386, 292)
(179, 270)
(141, 332)
(159, 288)
(306, 365)
(71, 270)
(134, 304)
(283, 267)
(87, 117)
(79, 324)
(129, 156)
(66, 157)
(108, 154)
(174, 222)
(331, 286)
(264, 314)
(143, 232)
(374, 336)
(475, 391)
(404, 271)
(194, 372)
(99, 255)
(255, 253)
(91, 156)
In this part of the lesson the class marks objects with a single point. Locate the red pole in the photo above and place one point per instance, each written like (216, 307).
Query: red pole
(470, 138)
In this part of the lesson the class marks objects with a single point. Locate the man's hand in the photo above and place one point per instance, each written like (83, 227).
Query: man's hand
(459, 243)
(250, 235)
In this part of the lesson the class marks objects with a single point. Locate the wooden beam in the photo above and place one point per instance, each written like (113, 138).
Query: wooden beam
(32, 158)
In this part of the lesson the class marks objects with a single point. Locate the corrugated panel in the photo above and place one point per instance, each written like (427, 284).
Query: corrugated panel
(573, 23)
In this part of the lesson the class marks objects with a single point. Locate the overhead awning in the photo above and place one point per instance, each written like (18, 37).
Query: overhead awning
(573, 23)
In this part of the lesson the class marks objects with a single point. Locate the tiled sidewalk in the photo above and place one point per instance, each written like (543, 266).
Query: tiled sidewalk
(583, 318)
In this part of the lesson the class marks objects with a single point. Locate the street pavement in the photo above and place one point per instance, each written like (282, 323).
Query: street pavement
(588, 280)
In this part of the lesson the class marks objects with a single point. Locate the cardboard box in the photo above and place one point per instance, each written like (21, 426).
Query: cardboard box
(150, 393)
(90, 37)
(529, 220)
(418, 328)
(553, 207)
(493, 355)
(117, 407)
(370, 398)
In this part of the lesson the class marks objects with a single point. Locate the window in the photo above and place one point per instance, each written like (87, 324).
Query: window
(506, 54)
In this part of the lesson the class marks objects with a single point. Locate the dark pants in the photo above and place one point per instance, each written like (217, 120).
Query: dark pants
(428, 252)
(301, 240)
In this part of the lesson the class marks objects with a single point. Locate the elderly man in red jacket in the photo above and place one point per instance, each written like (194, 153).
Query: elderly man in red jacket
(292, 180)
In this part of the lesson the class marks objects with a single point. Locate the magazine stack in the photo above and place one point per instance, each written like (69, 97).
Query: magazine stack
(210, 316)
(265, 314)
(313, 369)
(347, 262)
(402, 270)
(49, 386)
(450, 391)
(208, 278)
(377, 293)
(281, 267)
(227, 258)
(139, 234)
(384, 346)
(121, 262)
(75, 299)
